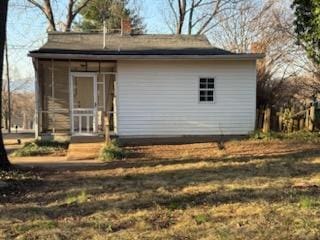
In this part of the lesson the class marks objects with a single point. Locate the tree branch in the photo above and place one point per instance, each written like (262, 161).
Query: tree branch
(72, 13)
(47, 10)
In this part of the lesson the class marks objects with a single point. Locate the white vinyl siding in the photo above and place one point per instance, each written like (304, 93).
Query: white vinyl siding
(161, 98)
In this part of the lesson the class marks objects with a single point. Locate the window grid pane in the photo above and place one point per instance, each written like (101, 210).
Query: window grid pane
(206, 93)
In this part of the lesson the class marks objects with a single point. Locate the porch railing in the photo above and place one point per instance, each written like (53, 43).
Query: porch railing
(84, 121)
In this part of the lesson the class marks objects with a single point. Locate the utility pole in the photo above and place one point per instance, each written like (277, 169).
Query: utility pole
(9, 93)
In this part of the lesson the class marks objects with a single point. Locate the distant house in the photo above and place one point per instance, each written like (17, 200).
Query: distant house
(143, 86)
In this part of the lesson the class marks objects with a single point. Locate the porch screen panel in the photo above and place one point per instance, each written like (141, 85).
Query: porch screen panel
(100, 93)
(83, 104)
(61, 96)
(83, 92)
(45, 95)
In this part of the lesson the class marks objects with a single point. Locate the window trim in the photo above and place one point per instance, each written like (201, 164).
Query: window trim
(214, 90)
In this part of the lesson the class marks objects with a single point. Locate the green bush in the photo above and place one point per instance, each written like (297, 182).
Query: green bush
(39, 148)
(111, 151)
(308, 202)
(201, 218)
(301, 135)
(264, 136)
(82, 197)
(54, 144)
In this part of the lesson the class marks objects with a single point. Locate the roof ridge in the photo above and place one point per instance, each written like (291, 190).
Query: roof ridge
(199, 36)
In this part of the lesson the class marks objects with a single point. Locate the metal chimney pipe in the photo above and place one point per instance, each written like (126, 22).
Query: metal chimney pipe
(104, 34)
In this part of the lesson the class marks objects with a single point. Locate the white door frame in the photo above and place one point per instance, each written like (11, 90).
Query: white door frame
(94, 109)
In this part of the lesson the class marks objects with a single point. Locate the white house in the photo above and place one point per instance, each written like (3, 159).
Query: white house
(142, 86)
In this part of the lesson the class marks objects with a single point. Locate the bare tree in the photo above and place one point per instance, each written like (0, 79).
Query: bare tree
(308, 78)
(8, 104)
(46, 9)
(4, 161)
(255, 27)
(20, 96)
(246, 23)
(200, 15)
(23, 109)
(308, 72)
(182, 14)
(73, 9)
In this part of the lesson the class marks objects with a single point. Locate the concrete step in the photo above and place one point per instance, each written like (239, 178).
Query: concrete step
(87, 139)
(83, 148)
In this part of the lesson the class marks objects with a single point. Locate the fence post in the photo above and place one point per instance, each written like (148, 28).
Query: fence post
(301, 119)
(290, 126)
(295, 124)
(306, 125)
(274, 123)
(301, 123)
(312, 118)
(266, 122)
(280, 119)
(257, 118)
(106, 130)
(260, 119)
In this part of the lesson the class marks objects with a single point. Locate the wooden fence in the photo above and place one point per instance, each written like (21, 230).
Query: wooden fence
(288, 119)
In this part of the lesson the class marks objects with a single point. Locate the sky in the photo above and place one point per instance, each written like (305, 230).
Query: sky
(27, 31)
(27, 26)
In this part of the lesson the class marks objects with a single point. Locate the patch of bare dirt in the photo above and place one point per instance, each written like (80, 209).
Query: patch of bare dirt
(253, 148)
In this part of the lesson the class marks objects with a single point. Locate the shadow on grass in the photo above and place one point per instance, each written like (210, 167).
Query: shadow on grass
(216, 198)
(54, 190)
(271, 167)
(137, 163)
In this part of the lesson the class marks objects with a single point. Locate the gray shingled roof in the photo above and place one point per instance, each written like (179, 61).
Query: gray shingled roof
(135, 44)
(122, 46)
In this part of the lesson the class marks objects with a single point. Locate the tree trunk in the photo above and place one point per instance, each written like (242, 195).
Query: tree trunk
(73, 12)
(8, 86)
(191, 18)
(4, 161)
(182, 14)
(49, 14)
(69, 16)
(6, 120)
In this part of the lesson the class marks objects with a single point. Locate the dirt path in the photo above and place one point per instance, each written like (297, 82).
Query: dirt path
(11, 140)
(53, 162)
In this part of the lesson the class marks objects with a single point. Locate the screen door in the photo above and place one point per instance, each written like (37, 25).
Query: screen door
(84, 103)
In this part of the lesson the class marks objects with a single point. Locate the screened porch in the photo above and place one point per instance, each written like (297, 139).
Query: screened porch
(75, 97)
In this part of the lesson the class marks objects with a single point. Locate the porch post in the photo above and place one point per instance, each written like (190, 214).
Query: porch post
(107, 127)
(70, 98)
(115, 103)
(37, 98)
(53, 98)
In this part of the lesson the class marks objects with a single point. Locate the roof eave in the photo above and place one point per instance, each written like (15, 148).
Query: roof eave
(141, 57)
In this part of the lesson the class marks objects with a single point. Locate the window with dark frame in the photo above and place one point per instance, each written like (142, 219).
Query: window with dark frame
(206, 90)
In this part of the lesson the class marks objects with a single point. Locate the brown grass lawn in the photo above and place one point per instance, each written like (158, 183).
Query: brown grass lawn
(250, 190)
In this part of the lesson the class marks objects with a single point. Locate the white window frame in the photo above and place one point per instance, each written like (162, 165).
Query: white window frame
(207, 89)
